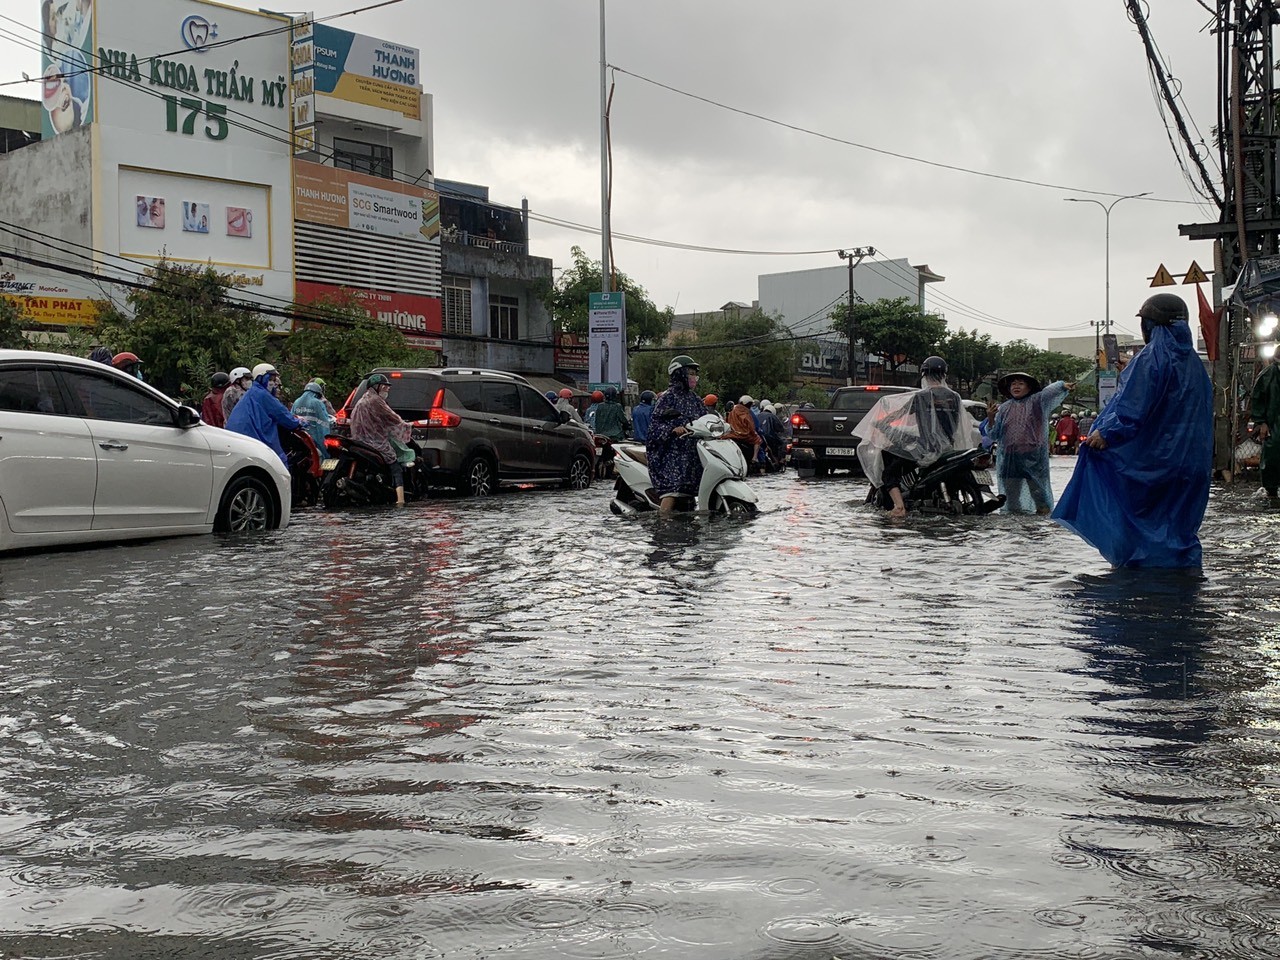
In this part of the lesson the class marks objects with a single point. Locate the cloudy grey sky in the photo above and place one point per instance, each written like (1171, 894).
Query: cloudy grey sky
(1051, 92)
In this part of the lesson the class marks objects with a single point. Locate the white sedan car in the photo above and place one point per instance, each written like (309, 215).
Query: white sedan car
(88, 454)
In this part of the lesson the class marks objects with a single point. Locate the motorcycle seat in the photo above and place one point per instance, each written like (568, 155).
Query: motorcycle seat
(636, 452)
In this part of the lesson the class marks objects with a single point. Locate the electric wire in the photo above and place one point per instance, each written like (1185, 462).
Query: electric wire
(880, 150)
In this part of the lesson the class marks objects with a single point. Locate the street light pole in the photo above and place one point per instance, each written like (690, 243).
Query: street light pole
(855, 257)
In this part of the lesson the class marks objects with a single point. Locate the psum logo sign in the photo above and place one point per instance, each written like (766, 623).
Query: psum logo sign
(197, 32)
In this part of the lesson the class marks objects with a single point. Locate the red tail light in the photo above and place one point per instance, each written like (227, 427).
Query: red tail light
(872, 387)
(332, 443)
(798, 422)
(439, 416)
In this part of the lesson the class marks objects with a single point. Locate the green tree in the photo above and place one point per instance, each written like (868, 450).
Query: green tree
(183, 327)
(338, 340)
(896, 329)
(12, 317)
(757, 358)
(569, 304)
(1045, 365)
(970, 357)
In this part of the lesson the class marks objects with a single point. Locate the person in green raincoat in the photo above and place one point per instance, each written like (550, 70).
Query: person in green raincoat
(1265, 411)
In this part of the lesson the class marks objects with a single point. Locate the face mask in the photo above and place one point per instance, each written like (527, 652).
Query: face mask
(138, 373)
(693, 380)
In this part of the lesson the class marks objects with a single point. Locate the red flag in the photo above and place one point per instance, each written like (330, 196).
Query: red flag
(1208, 325)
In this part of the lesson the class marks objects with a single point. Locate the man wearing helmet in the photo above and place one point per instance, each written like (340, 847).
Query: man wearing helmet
(211, 405)
(611, 419)
(128, 363)
(260, 415)
(241, 381)
(906, 430)
(374, 423)
(641, 414)
(1141, 484)
(674, 468)
(565, 403)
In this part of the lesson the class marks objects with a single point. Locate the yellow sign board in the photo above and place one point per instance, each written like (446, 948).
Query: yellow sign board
(1163, 278)
(59, 311)
(1195, 274)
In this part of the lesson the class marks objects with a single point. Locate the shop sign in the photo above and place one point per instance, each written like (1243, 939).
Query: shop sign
(407, 312)
(606, 324)
(572, 352)
(355, 201)
(304, 85)
(371, 72)
(49, 301)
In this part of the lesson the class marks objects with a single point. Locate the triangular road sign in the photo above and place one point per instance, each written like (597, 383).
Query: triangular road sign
(1195, 274)
(1163, 278)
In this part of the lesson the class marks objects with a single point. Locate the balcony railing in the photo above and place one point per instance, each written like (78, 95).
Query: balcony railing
(454, 235)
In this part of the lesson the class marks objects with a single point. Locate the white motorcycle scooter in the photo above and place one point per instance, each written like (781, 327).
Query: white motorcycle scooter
(723, 489)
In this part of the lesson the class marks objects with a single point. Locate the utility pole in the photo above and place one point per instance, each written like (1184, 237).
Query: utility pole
(855, 257)
(606, 268)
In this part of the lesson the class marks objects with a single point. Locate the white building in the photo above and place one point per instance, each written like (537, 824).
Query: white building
(805, 298)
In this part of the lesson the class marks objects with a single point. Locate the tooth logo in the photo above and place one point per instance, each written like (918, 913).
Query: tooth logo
(197, 32)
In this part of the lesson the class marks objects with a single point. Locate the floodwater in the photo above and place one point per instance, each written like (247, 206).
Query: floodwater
(522, 728)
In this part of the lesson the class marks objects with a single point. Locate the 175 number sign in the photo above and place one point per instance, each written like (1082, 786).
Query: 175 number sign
(215, 114)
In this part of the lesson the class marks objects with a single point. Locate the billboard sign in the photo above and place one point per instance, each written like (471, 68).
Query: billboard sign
(52, 300)
(606, 325)
(355, 201)
(304, 85)
(572, 353)
(416, 316)
(375, 73)
(66, 52)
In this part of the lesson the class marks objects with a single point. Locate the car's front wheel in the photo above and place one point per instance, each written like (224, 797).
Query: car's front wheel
(246, 507)
(479, 477)
(579, 477)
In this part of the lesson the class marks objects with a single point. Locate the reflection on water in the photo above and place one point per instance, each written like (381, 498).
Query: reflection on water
(524, 728)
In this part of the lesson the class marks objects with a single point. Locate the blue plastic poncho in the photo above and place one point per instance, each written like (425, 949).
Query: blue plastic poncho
(674, 466)
(1141, 500)
(259, 413)
(1022, 449)
(310, 409)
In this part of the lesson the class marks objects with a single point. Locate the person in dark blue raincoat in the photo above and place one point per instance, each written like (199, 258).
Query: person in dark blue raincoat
(259, 413)
(674, 467)
(1141, 484)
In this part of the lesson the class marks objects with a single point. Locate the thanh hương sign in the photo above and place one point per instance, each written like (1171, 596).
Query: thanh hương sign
(355, 201)
(368, 71)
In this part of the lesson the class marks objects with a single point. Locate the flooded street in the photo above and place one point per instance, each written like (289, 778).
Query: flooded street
(522, 728)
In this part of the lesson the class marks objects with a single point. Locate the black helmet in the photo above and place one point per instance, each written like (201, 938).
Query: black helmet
(647, 397)
(220, 379)
(935, 368)
(680, 362)
(1161, 310)
(611, 393)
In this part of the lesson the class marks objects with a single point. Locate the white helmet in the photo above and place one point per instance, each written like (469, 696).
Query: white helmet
(262, 368)
(746, 400)
(239, 373)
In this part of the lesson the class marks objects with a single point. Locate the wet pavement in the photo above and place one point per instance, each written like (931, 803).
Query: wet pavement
(522, 728)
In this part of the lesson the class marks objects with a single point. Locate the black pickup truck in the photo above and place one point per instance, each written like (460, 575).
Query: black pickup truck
(822, 440)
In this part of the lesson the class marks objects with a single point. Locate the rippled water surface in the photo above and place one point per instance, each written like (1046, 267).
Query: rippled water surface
(522, 728)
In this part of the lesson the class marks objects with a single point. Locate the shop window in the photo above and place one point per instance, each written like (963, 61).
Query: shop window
(371, 158)
(504, 318)
(457, 305)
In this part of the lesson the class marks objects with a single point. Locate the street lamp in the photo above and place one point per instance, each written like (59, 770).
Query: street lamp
(1106, 209)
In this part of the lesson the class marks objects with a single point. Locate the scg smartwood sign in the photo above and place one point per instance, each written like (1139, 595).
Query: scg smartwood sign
(353, 201)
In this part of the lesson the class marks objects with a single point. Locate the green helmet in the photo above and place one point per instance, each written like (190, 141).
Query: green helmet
(378, 379)
(680, 363)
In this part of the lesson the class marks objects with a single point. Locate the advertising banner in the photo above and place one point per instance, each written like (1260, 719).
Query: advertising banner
(572, 353)
(66, 53)
(368, 71)
(355, 201)
(606, 326)
(304, 85)
(416, 316)
(51, 301)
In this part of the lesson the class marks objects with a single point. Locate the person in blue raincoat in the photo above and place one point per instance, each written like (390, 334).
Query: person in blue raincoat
(641, 414)
(1018, 429)
(311, 410)
(259, 414)
(1141, 484)
(674, 467)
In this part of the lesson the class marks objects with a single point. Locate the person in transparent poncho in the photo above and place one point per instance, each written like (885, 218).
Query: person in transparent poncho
(908, 430)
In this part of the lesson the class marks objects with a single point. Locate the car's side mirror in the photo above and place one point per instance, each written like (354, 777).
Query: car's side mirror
(565, 416)
(188, 417)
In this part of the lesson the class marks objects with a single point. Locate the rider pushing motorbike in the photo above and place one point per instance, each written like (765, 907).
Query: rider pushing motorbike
(673, 456)
(908, 430)
(374, 423)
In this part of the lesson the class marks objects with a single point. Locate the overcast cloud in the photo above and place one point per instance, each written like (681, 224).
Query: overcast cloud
(1052, 92)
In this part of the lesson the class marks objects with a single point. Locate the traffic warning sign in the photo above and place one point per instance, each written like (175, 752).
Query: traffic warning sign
(1195, 274)
(1163, 278)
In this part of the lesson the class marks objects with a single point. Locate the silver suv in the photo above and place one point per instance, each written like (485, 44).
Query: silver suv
(482, 428)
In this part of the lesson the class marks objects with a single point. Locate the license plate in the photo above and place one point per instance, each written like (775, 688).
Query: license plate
(329, 464)
(984, 478)
(842, 451)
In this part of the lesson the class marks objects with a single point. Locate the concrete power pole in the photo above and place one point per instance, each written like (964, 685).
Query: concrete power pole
(855, 257)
